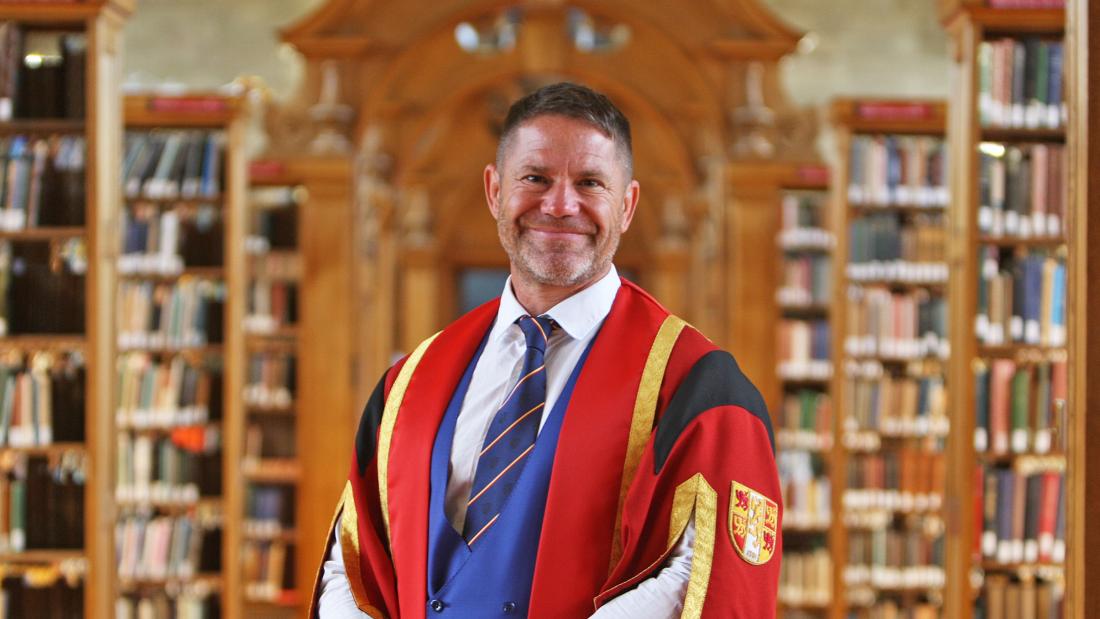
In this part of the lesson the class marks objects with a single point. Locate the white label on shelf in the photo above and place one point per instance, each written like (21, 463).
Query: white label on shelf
(1033, 115)
(1016, 328)
(1031, 331)
(1058, 554)
(1019, 440)
(1017, 115)
(1039, 224)
(1031, 551)
(1054, 224)
(1042, 441)
(985, 218)
(981, 439)
(1053, 116)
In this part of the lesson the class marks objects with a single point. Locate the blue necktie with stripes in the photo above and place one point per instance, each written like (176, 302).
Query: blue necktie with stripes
(511, 436)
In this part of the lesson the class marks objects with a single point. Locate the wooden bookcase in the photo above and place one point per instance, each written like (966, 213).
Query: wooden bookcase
(887, 461)
(88, 110)
(991, 566)
(271, 461)
(211, 230)
(805, 429)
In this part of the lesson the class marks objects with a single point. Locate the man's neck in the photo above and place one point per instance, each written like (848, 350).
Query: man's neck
(538, 298)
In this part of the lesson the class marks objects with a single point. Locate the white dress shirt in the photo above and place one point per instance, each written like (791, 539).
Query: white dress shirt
(578, 320)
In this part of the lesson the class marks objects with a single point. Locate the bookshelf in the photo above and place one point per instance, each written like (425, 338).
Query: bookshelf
(890, 350)
(1011, 262)
(271, 456)
(181, 357)
(59, 131)
(805, 427)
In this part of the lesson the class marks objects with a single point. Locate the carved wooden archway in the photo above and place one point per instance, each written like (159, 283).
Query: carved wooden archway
(389, 90)
(685, 77)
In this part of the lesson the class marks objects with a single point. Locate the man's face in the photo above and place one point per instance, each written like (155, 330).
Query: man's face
(561, 199)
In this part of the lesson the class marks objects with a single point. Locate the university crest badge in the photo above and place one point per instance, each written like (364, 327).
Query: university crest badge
(754, 519)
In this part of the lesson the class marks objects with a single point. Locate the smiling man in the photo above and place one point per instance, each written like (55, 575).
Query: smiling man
(570, 449)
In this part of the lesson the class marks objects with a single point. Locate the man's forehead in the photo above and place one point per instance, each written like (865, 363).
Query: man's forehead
(549, 137)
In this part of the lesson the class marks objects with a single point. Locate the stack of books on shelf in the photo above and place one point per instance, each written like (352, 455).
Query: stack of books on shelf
(893, 341)
(1013, 224)
(172, 369)
(54, 386)
(41, 399)
(270, 456)
(805, 427)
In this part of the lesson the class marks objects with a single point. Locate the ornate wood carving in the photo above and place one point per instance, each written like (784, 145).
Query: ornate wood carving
(700, 86)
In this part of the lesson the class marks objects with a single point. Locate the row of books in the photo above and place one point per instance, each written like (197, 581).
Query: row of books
(274, 224)
(1029, 598)
(1020, 83)
(1021, 297)
(272, 305)
(42, 287)
(894, 237)
(41, 181)
(897, 406)
(908, 170)
(184, 164)
(806, 577)
(806, 490)
(903, 480)
(1020, 407)
(176, 469)
(911, 558)
(893, 609)
(192, 603)
(804, 349)
(166, 393)
(42, 72)
(41, 399)
(42, 502)
(152, 548)
(803, 222)
(273, 439)
(805, 420)
(268, 570)
(40, 592)
(269, 509)
(159, 241)
(806, 280)
(161, 315)
(896, 325)
(1023, 513)
(271, 380)
(1022, 189)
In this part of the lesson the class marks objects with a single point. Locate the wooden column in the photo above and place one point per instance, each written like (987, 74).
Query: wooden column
(419, 293)
(1083, 543)
(328, 414)
(104, 135)
(753, 271)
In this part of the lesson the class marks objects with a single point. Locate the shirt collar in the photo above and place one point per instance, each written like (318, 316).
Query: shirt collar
(577, 315)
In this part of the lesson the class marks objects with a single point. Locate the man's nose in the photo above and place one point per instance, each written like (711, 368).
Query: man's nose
(562, 200)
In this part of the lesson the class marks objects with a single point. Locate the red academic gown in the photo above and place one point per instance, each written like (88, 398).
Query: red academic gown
(625, 481)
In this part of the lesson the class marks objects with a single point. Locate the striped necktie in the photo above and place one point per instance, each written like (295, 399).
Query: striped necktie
(512, 433)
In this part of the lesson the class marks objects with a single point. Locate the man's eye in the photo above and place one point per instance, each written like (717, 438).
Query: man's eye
(591, 182)
(534, 178)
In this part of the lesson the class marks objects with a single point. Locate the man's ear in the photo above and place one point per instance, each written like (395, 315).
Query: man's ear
(630, 203)
(492, 189)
